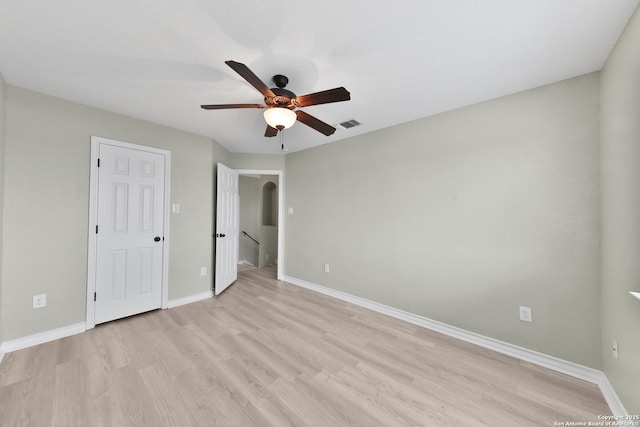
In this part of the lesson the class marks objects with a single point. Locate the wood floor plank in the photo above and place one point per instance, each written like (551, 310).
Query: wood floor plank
(267, 353)
(258, 388)
(37, 389)
(135, 405)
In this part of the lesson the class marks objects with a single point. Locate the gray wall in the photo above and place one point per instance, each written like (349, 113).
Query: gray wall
(2, 148)
(620, 134)
(249, 190)
(257, 161)
(46, 206)
(463, 217)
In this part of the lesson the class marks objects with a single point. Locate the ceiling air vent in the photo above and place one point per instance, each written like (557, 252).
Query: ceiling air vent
(349, 124)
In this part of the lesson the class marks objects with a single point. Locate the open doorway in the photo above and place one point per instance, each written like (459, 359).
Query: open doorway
(260, 220)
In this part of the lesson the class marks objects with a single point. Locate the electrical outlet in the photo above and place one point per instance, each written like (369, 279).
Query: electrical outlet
(326, 268)
(525, 314)
(203, 271)
(614, 349)
(40, 301)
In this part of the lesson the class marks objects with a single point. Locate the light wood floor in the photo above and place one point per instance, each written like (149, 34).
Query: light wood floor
(244, 267)
(267, 353)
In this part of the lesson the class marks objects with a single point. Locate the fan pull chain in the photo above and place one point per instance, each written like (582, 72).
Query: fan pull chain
(281, 140)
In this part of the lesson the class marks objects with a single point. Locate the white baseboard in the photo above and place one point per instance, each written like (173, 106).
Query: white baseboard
(188, 300)
(1, 356)
(245, 262)
(559, 365)
(41, 338)
(610, 395)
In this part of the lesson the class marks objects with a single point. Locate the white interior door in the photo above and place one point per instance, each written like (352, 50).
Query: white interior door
(227, 228)
(129, 239)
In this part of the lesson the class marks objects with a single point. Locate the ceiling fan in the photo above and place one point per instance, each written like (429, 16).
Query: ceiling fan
(280, 104)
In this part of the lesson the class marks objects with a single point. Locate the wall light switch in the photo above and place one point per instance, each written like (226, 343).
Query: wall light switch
(326, 268)
(203, 271)
(175, 208)
(290, 210)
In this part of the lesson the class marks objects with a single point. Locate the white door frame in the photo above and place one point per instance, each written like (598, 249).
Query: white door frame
(96, 141)
(280, 175)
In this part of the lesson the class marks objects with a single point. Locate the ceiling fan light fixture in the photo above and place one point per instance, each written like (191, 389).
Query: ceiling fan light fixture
(280, 118)
(277, 117)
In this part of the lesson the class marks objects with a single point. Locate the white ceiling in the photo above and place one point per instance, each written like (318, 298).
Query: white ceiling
(160, 60)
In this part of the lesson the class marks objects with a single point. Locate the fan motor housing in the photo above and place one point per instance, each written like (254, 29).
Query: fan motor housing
(282, 99)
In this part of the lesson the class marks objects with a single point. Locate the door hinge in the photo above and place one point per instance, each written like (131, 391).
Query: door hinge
(96, 228)
(98, 162)
(94, 296)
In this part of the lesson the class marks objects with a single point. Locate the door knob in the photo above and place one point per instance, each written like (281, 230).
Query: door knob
(156, 239)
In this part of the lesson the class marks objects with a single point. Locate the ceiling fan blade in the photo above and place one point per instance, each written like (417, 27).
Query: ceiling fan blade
(270, 132)
(315, 123)
(226, 106)
(326, 96)
(248, 75)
